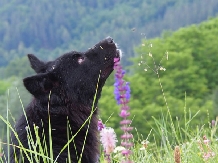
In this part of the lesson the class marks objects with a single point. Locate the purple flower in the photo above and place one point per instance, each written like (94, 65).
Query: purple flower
(124, 113)
(122, 95)
(125, 128)
(100, 125)
(125, 122)
(128, 91)
(213, 123)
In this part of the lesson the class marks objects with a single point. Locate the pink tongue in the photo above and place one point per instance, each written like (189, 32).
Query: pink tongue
(116, 60)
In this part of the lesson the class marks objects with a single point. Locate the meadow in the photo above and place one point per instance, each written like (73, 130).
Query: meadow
(169, 142)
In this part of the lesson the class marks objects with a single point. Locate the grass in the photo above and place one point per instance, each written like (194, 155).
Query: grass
(161, 149)
(190, 141)
(36, 149)
(191, 145)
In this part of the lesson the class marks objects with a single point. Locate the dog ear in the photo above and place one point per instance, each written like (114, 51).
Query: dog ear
(36, 64)
(39, 84)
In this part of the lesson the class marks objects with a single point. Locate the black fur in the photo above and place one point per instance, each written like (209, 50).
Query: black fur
(64, 89)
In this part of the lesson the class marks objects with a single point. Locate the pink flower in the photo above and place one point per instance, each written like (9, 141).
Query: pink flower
(207, 152)
(108, 139)
(208, 155)
(124, 113)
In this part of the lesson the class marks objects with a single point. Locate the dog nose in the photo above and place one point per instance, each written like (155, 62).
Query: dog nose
(110, 40)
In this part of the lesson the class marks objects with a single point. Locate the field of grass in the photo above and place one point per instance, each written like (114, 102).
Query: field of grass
(174, 144)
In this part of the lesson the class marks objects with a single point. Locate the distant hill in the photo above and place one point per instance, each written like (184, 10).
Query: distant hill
(43, 26)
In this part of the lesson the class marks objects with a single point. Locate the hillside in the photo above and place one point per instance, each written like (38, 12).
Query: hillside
(177, 78)
(190, 81)
(49, 29)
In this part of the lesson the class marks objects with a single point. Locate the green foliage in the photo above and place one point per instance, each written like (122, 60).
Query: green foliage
(35, 25)
(17, 67)
(190, 58)
(197, 142)
(4, 85)
(11, 99)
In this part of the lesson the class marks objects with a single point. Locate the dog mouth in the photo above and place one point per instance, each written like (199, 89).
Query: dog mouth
(109, 63)
(118, 53)
(106, 50)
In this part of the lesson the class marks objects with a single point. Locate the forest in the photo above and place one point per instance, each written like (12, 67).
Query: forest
(49, 29)
(152, 34)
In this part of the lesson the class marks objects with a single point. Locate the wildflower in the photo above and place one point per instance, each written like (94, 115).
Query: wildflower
(149, 54)
(162, 69)
(124, 113)
(213, 123)
(128, 91)
(126, 152)
(142, 148)
(206, 141)
(207, 151)
(208, 155)
(144, 144)
(108, 139)
(118, 149)
(122, 95)
(118, 154)
(100, 125)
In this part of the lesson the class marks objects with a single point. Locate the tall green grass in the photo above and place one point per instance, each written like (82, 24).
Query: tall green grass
(160, 148)
(188, 139)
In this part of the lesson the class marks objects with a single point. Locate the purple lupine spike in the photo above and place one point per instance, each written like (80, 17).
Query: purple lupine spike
(122, 95)
(128, 91)
(125, 122)
(124, 128)
(124, 113)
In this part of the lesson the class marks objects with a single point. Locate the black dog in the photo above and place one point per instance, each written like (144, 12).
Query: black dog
(65, 92)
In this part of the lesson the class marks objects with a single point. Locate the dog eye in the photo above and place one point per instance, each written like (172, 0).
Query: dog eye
(107, 58)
